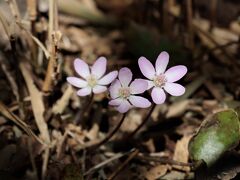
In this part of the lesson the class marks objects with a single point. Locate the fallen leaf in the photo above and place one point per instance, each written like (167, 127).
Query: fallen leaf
(156, 172)
(131, 122)
(181, 152)
(62, 103)
(177, 109)
(38, 111)
(37, 104)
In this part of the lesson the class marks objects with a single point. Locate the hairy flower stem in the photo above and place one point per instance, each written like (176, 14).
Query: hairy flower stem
(143, 122)
(110, 135)
(86, 109)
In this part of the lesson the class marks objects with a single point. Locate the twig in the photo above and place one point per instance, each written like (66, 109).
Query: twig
(104, 163)
(123, 165)
(61, 143)
(213, 7)
(36, 40)
(32, 12)
(109, 136)
(7, 113)
(143, 122)
(54, 37)
(163, 160)
(189, 23)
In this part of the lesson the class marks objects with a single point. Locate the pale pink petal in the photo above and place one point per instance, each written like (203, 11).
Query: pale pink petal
(81, 68)
(158, 95)
(114, 89)
(125, 76)
(146, 68)
(107, 79)
(77, 82)
(162, 62)
(174, 89)
(138, 86)
(124, 106)
(175, 73)
(84, 91)
(150, 84)
(139, 101)
(99, 67)
(115, 102)
(99, 89)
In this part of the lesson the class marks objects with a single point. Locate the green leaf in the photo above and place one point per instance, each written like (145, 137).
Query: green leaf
(217, 135)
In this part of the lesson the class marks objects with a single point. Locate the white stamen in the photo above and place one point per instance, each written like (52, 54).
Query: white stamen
(92, 81)
(124, 92)
(159, 80)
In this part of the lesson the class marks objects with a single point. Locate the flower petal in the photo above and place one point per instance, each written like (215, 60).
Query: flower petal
(146, 68)
(125, 76)
(138, 86)
(158, 95)
(114, 89)
(162, 62)
(174, 89)
(107, 79)
(81, 68)
(175, 73)
(77, 82)
(115, 102)
(99, 89)
(99, 67)
(150, 84)
(84, 91)
(139, 101)
(124, 106)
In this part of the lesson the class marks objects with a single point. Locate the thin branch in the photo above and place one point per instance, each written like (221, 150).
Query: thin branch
(123, 165)
(110, 135)
(143, 123)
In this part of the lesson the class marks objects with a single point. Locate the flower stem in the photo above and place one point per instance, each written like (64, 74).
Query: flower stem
(143, 122)
(85, 110)
(110, 135)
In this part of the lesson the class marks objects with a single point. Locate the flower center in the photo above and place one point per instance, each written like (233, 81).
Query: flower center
(159, 80)
(92, 81)
(124, 92)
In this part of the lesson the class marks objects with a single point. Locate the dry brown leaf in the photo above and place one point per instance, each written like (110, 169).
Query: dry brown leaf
(214, 39)
(181, 152)
(93, 132)
(62, 103)
(38, 110)
(37, 104)
(177, 108)
(175, 175)
(131, 122)
(150, 145)
(235, 27)
(156, 172)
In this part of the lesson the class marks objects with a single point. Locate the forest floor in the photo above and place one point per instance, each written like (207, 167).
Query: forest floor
(46, 132)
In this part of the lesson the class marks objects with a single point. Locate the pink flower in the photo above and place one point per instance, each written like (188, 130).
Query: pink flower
(160, 79)
(124, 93)
(92, 79)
